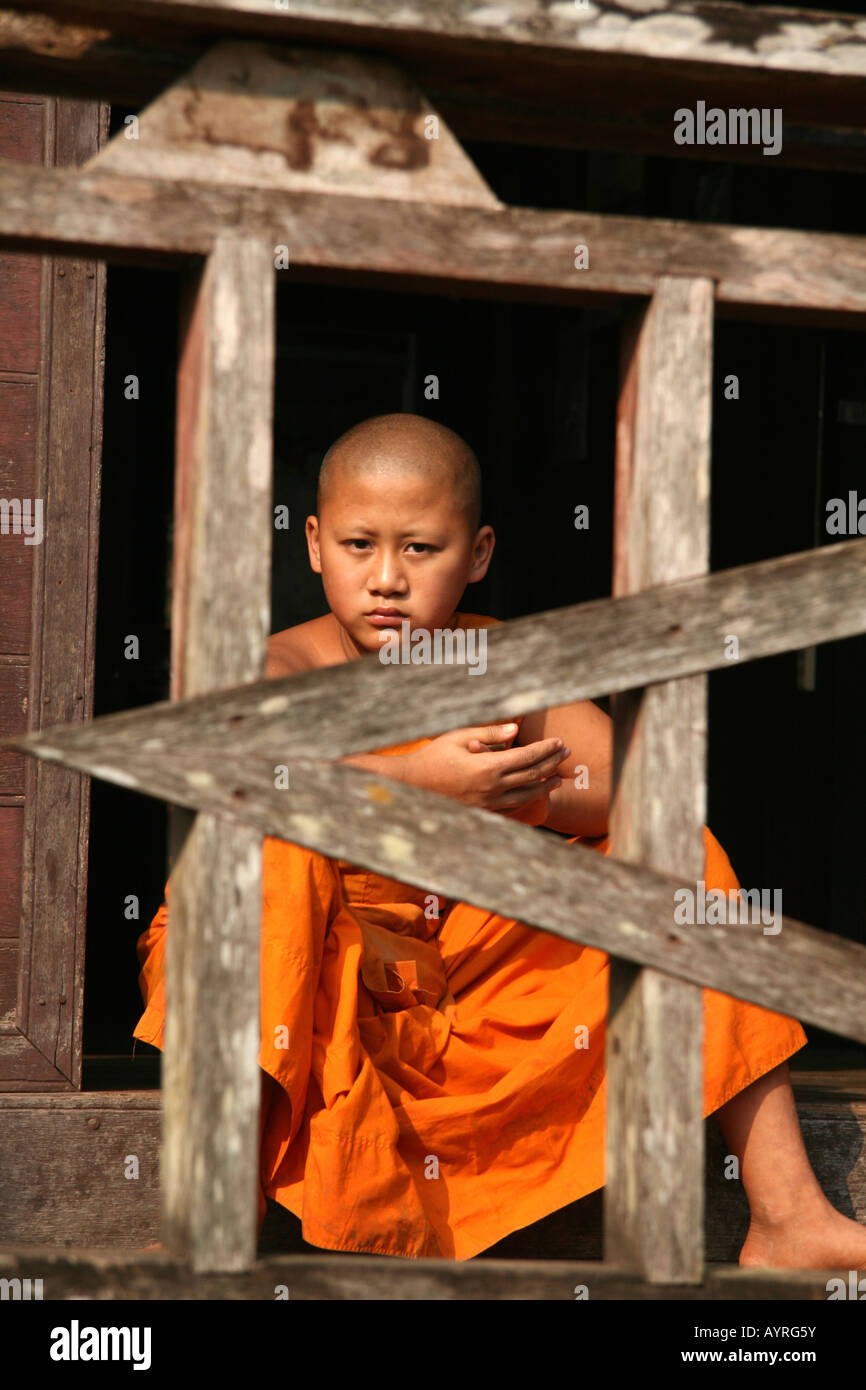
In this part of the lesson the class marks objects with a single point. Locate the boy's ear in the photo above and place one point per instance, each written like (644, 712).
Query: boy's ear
(482, 551)
(312, 533)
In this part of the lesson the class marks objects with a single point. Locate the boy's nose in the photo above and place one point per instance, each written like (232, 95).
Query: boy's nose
(388, 577)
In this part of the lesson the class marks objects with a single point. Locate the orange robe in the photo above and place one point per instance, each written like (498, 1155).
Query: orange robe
(431, 1098)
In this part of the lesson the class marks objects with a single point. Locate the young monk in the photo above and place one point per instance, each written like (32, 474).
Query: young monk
(431, 1098)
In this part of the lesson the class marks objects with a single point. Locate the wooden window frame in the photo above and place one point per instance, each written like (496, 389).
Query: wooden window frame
(653, 642)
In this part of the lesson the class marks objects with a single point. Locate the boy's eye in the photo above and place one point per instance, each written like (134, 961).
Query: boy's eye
(413, 545)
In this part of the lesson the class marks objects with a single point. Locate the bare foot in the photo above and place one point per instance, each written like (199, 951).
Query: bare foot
(817, 1237)
(157, 1245)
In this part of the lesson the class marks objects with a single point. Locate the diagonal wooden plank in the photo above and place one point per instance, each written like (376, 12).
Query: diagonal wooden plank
(660, 634)
(219, 632)
(518, 252)
(654, 1187)
(419, 837)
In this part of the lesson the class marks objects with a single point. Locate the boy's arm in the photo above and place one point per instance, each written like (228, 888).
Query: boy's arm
(588, 732)
(284, 659)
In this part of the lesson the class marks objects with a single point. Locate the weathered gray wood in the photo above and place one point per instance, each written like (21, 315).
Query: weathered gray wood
(220, 623)
(308, 119)
(653, 1198)
(419, 837)
(590, 97)
(834, 1131)
(83, 1190)
(533, 662)
(96, 1181)
(95, 1274)
(517, 252)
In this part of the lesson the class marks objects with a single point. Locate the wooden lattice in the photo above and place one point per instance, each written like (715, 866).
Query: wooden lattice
(211, 750)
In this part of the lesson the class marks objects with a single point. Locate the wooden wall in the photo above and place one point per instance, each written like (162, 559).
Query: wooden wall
(51, 357)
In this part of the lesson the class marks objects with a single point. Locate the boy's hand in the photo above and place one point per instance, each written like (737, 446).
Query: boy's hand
(477, 766)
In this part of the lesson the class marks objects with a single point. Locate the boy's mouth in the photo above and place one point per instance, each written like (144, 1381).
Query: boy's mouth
(382, 617)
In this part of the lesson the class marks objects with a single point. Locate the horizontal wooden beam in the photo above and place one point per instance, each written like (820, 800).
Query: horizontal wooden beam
(518, 252)
(82, 1132)
(121, 1275)
(544, 659)
(532, 876)
(710, 33)
(61, 56)
(584, 95)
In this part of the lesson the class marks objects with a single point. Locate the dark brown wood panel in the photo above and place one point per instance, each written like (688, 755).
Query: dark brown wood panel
(97, 1180)
(14, 677)
(11, 842)
(21, 127)
(8, 992)
(19, 405)
(20, 1061)
(51, 325)
(20, 274)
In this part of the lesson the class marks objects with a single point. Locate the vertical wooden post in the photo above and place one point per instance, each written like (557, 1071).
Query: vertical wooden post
(653, 1201)
(220, 624)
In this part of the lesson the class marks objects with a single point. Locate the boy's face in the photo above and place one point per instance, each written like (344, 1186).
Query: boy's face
(394, 541)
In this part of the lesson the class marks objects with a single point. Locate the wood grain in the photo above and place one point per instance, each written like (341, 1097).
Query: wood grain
(97, 1274)
(220, 622)
(57, 817)
(516, 252)
(50, 446)
(274, 117)
(80, 1136)
(653, 1199)
(489, 86)
(663, 633)
(419, 837)
(742, 37)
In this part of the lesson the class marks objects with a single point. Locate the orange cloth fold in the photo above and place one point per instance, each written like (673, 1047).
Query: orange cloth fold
(426, 1095)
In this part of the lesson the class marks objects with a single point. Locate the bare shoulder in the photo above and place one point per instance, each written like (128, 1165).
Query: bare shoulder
(467, 620)
(298, 648)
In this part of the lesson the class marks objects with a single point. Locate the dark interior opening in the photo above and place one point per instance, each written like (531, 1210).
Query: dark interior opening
(533, 389)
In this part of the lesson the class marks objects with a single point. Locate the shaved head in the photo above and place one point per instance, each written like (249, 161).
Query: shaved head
(391, 445)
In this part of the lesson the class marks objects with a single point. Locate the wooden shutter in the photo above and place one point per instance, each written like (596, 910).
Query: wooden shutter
(52, 316)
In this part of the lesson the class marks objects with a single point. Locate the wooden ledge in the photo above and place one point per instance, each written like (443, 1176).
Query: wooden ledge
(97, 1274)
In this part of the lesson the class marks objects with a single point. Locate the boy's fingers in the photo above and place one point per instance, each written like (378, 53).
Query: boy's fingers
(534, 755)
(495, 733)
(521, 796)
